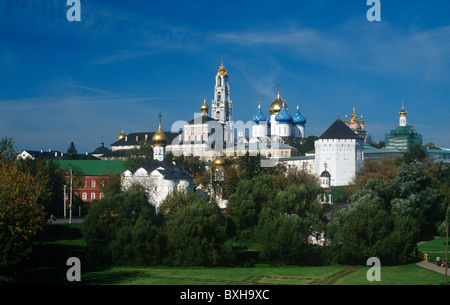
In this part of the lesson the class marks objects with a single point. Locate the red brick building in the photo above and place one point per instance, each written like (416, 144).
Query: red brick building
(89, 176)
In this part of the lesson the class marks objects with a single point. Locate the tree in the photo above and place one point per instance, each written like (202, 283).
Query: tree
(175, 201)
(286, 223)
(112, 185)
(72, 153)
(139, 155)
(123, 229)
(382, 168)
(233, 175)
(192, 164)
(416, 153)
(419, 198)
(308, 145)
(21, 215)
(250, 165)
(440, 175)
(246, 205)
(284, 239)
(367, 229)
(370, 141)
(196, 236)
(285, 177)
(51, 176)
(7, 149)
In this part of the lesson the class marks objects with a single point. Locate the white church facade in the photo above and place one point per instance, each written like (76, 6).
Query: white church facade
(158, 177)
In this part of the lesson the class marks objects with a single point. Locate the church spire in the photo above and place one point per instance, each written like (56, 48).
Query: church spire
(354, 119)
(159, 141)
(221, 105)
(402, 120)
(204, 108)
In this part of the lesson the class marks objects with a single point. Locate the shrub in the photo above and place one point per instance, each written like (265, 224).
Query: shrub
(196, 236)
(123, 229)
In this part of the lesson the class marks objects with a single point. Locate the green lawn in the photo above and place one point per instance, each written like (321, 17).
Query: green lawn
(59, 242)
(263, 274)
(435, 245)
(409, 274)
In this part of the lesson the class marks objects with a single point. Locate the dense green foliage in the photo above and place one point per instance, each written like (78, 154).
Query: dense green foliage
(123, 229)
(196, 236)
(250, 197)
(395, 203)
(175, 201)
(367, 229)
(280, 217)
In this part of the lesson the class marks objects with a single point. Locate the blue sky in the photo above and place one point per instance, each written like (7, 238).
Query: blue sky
(126, 61)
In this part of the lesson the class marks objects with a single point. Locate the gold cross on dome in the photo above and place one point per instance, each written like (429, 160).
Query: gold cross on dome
(160, 116)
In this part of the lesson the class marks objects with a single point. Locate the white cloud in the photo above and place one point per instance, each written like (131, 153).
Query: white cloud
(380, 49)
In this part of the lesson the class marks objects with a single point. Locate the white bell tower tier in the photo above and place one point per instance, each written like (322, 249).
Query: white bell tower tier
(222, 106)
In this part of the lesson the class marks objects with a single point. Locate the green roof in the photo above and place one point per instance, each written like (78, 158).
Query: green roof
(368, 146)
(440, 151)
(402, 130)
(92, 167)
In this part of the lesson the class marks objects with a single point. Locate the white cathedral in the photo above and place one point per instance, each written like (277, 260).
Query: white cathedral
(281, 124)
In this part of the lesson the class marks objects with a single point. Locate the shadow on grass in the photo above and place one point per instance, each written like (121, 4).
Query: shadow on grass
(47, 264)
(55, 232)
(105, 277)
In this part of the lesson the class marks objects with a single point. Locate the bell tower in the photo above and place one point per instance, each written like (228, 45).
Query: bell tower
(221, 105)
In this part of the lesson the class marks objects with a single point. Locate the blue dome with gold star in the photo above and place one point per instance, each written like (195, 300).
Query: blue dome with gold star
(298, 118)
(259, 116)
(283, 116)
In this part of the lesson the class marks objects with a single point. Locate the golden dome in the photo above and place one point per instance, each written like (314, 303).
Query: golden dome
(204, 107)
(219, 162)
(121, 136)
(403, 111)
(276, 106)
(354, 116)
(222, 71)
(159, 138)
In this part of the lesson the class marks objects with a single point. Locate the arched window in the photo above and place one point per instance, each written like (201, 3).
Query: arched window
(219, 81)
